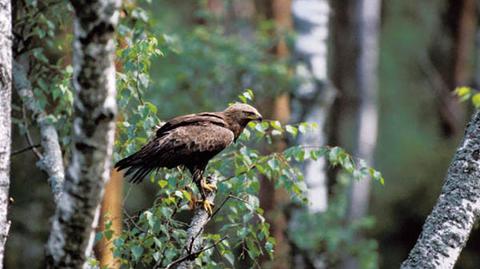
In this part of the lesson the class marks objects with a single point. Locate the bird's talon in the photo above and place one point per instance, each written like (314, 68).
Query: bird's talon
(207, 206)
(208, 186)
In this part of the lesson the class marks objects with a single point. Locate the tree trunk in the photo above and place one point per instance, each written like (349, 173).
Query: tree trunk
(5, 118)
(368, 17)
(70, 241)
(314, 96)
(281, 11)
(312, 100)
(111, 207)
(447, 228)
(343, 51)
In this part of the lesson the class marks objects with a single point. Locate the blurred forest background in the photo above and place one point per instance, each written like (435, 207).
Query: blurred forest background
(213, 50)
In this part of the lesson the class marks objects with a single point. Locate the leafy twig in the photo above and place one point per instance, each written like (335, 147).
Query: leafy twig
(192, 255)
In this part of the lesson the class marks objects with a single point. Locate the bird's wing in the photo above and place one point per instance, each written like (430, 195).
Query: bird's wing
(192, 119)
(184, 141)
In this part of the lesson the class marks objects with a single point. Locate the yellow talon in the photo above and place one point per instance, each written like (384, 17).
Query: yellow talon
(207, 206)
(207, 186)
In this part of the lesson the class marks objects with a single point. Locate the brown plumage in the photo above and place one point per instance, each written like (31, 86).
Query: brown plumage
(189, 141)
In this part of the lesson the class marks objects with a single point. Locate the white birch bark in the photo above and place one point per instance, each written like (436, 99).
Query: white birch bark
(448, 227)
(368, 21)
(367, 84)
(69, 243)
(311, 103)
(5, 118)
(314, 96)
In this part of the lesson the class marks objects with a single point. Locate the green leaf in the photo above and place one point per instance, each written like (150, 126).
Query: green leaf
(151, 107)
(291, 130)
(229, 257)
(162, 183)
(463, 92)
(476, 100)
(137, 252)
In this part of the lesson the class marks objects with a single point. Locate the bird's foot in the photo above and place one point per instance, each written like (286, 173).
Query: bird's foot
(208, 186)
(207, 206)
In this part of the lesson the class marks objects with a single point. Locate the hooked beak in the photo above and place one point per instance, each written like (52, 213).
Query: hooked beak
(256, 117)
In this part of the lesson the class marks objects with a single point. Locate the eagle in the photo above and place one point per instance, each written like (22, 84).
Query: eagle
(190, 141)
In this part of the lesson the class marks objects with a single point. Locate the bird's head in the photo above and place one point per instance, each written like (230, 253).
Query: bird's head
(242, 113)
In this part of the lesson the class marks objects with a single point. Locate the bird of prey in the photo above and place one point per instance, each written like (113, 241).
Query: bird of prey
(190, 141)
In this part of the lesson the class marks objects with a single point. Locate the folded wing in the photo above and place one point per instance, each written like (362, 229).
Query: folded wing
(190, 140)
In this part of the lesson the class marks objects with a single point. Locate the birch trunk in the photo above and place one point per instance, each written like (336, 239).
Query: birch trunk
(368, 18)
(314, 95)
(311, 102)
(71, 240)
(5, 118)
(447, 228)
(367, 84)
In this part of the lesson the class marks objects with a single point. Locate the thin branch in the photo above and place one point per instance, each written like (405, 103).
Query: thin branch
(28, 136)
(25, 149)
(192, 255)
(137, 86)
(221, 205)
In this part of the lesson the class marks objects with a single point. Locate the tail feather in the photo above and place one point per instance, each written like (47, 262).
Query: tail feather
(136, 167)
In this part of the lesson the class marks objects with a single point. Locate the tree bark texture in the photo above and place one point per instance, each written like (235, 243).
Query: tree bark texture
(52, 159)
(5, 118)
(447, 228)
(71, 240)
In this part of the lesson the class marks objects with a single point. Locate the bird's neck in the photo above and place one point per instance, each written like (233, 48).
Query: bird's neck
(235, 126)
(237, 129)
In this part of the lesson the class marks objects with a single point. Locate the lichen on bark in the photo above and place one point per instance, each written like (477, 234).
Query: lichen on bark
(448, 227)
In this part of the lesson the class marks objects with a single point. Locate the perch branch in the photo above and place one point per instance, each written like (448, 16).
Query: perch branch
(194, 233)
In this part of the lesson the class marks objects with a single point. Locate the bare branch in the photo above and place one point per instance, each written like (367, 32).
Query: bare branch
(19, 151)
(51, 161)
(193, 255)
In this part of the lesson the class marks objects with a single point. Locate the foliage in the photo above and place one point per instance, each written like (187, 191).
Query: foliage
(157, 235)
(49, 72)
(466, 93)
(326, 236)
(204, 63)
